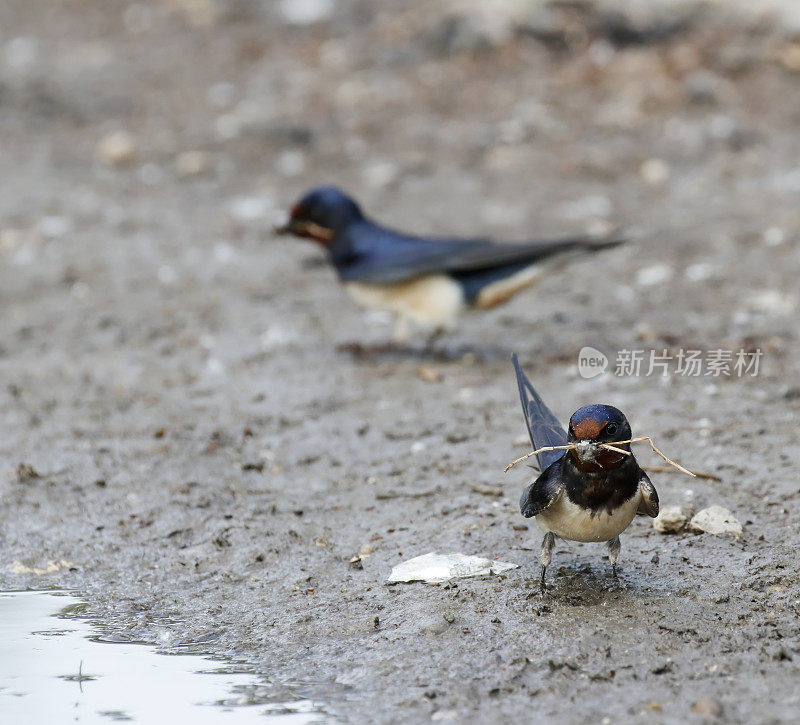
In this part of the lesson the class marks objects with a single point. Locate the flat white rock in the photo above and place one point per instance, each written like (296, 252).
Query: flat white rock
(434, 568)
(670, 520)
(716, 520)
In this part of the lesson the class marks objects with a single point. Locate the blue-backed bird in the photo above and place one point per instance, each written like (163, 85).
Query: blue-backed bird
(423, 280)
(589, 492)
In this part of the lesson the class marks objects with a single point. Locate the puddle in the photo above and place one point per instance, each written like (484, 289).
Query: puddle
(52, 670)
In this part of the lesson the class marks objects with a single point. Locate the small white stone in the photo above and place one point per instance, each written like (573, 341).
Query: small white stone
(651, 276)
(117, 148)
(251, 208)
(191, 163)
(276, 336)
(772, 301)
(654, 171)
(80, 290)
(699, 272)
(215, 366)
(670, 520)
(53, 227)
(291, 163)
(380, 174)
(774, 237)
(306, 12)
(716, 520)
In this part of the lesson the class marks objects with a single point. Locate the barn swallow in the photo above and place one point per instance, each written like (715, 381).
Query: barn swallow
(586, 493)
(427, 281)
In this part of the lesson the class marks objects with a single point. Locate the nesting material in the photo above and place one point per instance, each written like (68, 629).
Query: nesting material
(608, 447)
(671, 519)
(436, 568)
(716, 520)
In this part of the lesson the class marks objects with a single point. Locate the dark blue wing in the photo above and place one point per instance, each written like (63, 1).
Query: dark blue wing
(543, 427)
(366, 252)
(544, 491)
(649, 502)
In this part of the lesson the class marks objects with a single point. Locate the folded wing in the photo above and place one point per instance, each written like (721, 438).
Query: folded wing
(649, 502)
(381, 256)
(543, 427)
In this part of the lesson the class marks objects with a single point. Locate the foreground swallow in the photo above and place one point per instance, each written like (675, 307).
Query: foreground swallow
(422, 280)
(587, 493)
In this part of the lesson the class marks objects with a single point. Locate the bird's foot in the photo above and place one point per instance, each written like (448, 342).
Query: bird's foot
(542, 584)
(360, 350)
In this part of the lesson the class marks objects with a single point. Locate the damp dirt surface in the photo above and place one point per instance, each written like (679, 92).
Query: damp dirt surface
(188, 441)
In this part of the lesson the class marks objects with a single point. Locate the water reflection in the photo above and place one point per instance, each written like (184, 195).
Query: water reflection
(53, 670)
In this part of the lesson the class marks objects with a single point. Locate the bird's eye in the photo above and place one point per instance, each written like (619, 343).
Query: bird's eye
(611, 429)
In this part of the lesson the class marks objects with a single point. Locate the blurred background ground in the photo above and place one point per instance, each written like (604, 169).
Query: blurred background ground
(209, 463)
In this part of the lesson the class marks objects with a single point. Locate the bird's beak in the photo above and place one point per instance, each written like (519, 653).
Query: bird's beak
(306, 229)
(587, 450)
(287, 228)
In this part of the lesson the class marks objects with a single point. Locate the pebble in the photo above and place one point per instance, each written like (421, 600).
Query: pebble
(654, 171)
(699, 272)
(306, 12)
(707, 708)
(250, 208)
(671, 520)
(428, 374)
(117, 148)
(774, 237)
(656, 274)
(380, 174)
(291, 163)
(191, 163)
(716, 520)
(54, 227)
(772, 301)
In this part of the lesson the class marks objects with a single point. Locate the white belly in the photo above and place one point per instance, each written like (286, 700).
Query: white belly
(569, 521)
(432, 301)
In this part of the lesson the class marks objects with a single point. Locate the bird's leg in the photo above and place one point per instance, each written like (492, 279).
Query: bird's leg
(402, 329)
(613, 554)
(548, 542)
(433, 337)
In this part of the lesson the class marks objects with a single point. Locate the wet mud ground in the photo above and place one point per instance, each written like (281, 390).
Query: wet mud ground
(199, 457)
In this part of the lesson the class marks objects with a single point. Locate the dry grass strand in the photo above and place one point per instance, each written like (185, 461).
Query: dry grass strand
(607, 446)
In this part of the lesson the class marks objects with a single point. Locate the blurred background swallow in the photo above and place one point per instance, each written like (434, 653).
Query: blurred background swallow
(423, 280)
(589, 492)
